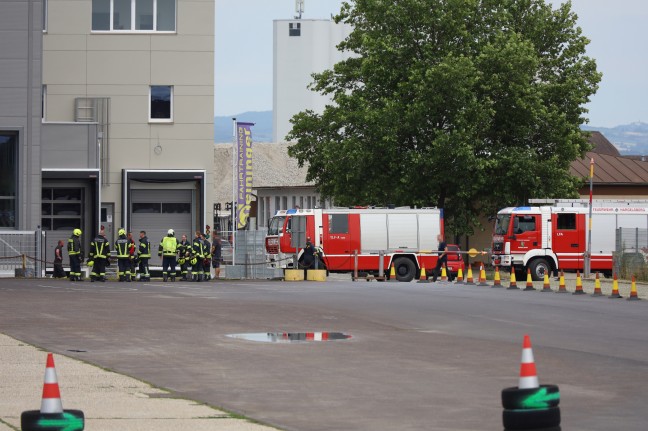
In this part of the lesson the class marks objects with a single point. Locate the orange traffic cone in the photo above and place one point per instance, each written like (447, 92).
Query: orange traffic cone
(513, 282)
(460, 276)
(529, 282)
(615, 288)
(633, 291)
(423, 277)
(561, 287)
(392, 274)
(546, 285)
(469, 277)
(597, 286)
(482, 276)
(528, 373)
(51, 402)
(579, 285)
(497, 282)
(444, 273)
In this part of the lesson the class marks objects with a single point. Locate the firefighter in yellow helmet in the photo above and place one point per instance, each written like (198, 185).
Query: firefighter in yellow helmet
(122, 248)
(168, 249)
(75, 251)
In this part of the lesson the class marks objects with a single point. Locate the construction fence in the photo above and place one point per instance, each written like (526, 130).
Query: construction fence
(22, 253)
(630, 254)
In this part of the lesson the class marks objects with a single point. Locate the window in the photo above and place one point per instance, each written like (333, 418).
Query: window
(338, 223)
(294, 29)
(147, 208)
(525, 224)
(566, 222)
(8, 178)
(62, 208)
(176, 208)
(44, 16)
(161, 103)
(134, 15)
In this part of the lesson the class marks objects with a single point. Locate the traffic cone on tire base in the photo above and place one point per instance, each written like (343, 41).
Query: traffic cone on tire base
(51, 415)
(530, 405)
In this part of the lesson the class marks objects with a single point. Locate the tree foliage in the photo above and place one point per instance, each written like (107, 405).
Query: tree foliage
(468, 105)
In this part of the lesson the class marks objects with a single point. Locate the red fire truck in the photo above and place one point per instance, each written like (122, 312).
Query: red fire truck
(406, 237)
(548, 238)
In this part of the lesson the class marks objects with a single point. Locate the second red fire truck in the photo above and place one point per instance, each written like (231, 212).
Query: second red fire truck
(548, 238)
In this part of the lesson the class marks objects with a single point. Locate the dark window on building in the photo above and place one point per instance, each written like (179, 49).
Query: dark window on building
(62, 208)
(161, 103)
(176, 208)
(566, 221)
(147, 207)
(338, 223)
(294, 29)
(8, 178)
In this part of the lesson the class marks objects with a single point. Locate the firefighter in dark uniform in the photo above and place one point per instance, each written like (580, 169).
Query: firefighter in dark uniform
(168, 249)
(99, 255)
(75, 251)
(184, 256)
(207, 254)
(143, 256)
(122, 246)
(198, 256)
(133, 256)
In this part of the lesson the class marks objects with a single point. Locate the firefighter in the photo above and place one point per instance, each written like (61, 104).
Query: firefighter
(198, 256)
(143, 256)
(184, 256)
(168, 249)
(133, 256)
(98, 257)
(75, 251)
(207, 254)
(308, 256)
(217, 255)
(122, 247)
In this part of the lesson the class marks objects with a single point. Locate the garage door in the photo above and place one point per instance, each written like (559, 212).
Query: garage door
(157, 211)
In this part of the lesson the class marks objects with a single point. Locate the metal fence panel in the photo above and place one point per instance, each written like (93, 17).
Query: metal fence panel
(630, 254)
(22, 251)
(244, 254)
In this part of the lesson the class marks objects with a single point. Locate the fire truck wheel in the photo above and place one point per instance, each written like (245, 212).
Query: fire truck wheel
(405, 269)
(531, 419)
(539, 267)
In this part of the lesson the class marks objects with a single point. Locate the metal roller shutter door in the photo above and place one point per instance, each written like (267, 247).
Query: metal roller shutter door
(156, 225)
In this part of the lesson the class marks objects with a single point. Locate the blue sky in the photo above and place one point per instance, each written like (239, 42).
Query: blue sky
(618, 31)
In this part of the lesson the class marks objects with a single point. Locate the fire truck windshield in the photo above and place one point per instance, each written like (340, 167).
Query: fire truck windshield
(502, 224)
(275, 225)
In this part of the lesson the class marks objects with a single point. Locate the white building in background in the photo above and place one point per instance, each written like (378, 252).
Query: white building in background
(301, 47)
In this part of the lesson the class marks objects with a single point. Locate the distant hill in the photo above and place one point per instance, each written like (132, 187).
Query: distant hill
(261, 132)
(630, 139)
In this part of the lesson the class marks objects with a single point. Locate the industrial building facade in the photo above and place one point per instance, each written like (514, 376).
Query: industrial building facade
(118, 131)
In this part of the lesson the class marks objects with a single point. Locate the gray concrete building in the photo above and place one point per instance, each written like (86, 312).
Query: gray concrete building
(20, 113)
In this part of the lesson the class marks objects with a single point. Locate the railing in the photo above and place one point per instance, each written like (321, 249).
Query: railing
(22, 253)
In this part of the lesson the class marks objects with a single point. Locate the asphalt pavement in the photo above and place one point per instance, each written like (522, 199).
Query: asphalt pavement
(421, 357)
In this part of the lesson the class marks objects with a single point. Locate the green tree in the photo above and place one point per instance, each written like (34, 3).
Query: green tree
(468, 105)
